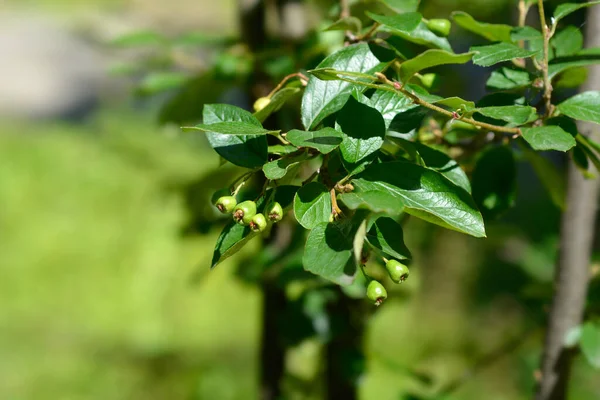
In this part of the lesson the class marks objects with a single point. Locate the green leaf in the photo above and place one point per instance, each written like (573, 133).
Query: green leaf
(277, 101)
(590, 343)
(549, 175)
(232, 128)
(400, 22)
(422, 35)
(230, 241)
(323, 98)
(506, 79)
(584, 107)
(514, 115)
(582, 59)
(495, 53)
(567, 42)
(438, 161)
(387, 235)
(492, 32)
(456, 103)
(431, 58)
(325, 140)
(282, 150)
(245, 151)
(548, 138)
(359, 241)
(389, 104)
(328, 253)
(565, 9)
(363, 129)
(312, 205)
(375, 201)
(495, 181)
(278, 169)
(351, 24)
(402, 6)
(425, 194)
(525, 33)
(571, 78)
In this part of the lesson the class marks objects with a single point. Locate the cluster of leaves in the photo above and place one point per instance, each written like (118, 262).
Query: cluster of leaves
(376, 143)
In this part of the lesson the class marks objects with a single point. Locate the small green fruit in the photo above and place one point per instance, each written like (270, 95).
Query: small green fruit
(275, 212)
(243, 212)
(440, 27)
(226, 204)
(258, 223)
(376, 292)
(261, 103)
(397, 271)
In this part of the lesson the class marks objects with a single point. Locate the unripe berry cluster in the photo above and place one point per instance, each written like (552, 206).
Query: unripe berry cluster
(245, 213)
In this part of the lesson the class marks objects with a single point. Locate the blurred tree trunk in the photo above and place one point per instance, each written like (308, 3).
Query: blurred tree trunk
(345, 361)
(252, 16)
(572, 274)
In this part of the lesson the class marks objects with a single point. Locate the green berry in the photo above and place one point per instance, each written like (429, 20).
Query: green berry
(440, 27)
(376, 292)
(258, 223)
(243, 212)
(275, 212)
(226, 204)
(397, 271)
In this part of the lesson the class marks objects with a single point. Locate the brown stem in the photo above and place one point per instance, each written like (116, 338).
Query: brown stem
(303, 78)
(573, 272)
(426, 104)
(547, 82)
(335, 209)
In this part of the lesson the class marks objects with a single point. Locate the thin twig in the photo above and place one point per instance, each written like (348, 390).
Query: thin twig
(547, 82)
(426, 104)
(303, 78)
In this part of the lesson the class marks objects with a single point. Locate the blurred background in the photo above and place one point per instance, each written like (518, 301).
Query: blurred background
(106, 227)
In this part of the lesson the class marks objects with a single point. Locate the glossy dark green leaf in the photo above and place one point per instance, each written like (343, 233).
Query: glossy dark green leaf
(431, 58)
(278, 169)
(495, 181)
(422, 35)
(590, 343)
(567, 42)
(401, 22)
(230, 241)
(548, 138)
(495, 53)
(363, 129)
(389, 104)
(351, 24)
(277, 101)
(387, 235)
(324, 140)
(376, 201)
(249, 151)
(506, 79)
(312, 205)
(425, 194)
(514, 115)
(584, 107)
(323, 98)
(328, 253)
(565, 9)
(492, 32)
(232, 128)
(438, 161)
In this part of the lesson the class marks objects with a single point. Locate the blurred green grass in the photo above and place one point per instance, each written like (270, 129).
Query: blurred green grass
(95, 287)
